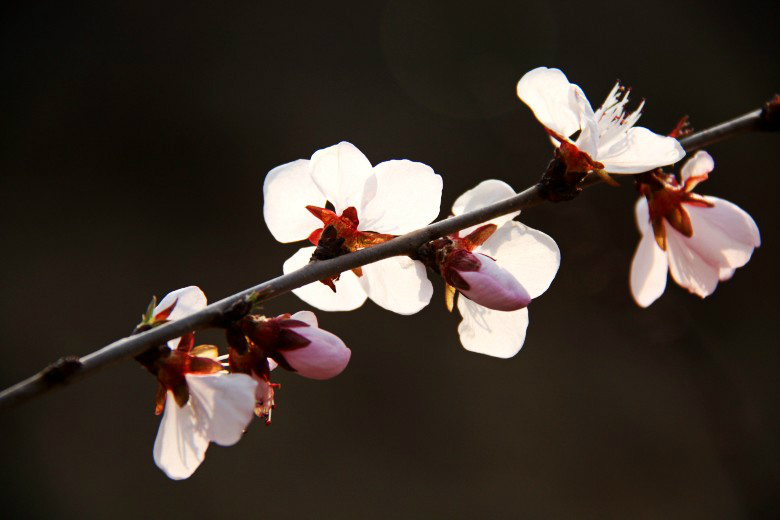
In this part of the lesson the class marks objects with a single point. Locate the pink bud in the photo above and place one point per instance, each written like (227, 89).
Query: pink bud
(487, 283)
(325, 357)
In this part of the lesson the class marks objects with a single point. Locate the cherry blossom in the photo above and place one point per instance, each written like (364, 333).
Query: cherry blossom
(295, 342)
(522, 260)
(370, 206)
(699, 239)
(608, 140)
(200, 402)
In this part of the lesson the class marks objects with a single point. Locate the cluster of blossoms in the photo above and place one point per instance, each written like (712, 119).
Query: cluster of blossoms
(205, 397)
(340, 203)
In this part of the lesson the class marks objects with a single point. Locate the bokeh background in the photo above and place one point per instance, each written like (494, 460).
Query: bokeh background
(135, 138)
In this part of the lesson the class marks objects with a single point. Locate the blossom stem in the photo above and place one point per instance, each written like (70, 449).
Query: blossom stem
(71, 368)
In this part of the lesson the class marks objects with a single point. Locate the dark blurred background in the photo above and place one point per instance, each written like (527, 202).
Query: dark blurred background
(135, 139)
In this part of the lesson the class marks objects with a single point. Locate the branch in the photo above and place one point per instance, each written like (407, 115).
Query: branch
(71, 368)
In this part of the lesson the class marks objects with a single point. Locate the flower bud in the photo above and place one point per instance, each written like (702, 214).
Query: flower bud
(325, 355)
(479, 278)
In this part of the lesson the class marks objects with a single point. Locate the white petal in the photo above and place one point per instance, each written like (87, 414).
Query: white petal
(529, 255)
(642, 214)
(349, 294)
(343, 174)
(648, 270)
(726, 273)
(224, 404)
(307, 317)
(483, 194)
(723, 235)
(180, 445)
(700, 164)
(398, 284)
(408, 197)
(547, 93)
(588, 139)
(641, 151)
(287, 190)
(687, 267)
(188, 300)
(495, 333)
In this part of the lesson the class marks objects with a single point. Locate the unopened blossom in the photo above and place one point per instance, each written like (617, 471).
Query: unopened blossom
(516, 264)
(199, 400)
(699, 239)
(607, 139)
(295, 342)
(370, 206)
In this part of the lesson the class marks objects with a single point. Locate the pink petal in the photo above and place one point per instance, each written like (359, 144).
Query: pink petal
(494, 287)
(307, 317)
(724, 234)
(648, 270)
(287, 190)
(408, 197)
(325, 357)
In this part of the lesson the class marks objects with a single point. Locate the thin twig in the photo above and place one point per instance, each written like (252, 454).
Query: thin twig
(70, 369)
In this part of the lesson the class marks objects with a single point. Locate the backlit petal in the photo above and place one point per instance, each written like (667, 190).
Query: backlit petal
(343, 174)
(641, 151)
(700, 164)
(495, 333)
(687, 267)
(224, 404)
(287, 190)
(723, 235)
(307, 317)
(648, 270)
(547, 93)
(408, 197)
(188, 300)
(398, 284)
(483, 194)
(642, 214)
(180, 445)
(529, 255)
(349, 294)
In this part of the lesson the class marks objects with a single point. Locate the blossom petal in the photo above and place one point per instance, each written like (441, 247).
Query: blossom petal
(224, 404)
(325, 357)
(483, 194)
(189, 300)
(349, 294)
(408, 196)
(642, 214)
(287, 190)
(343, 174)
(529, 255)
(641, 151)
(307, 317)
(648, 270)
(494, 287)
(547, 93)
(687, 267)
(723, 235)
(495, 333)
(700, 164)
(180, 445)
(398, 284)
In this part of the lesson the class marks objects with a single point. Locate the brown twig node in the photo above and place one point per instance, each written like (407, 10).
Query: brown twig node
(60, 371)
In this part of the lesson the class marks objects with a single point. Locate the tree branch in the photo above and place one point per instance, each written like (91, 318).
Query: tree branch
(71, 368)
